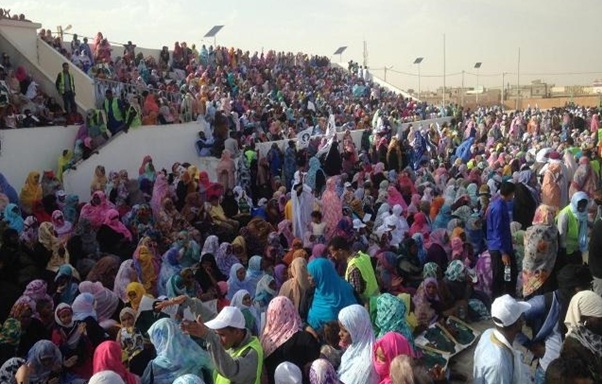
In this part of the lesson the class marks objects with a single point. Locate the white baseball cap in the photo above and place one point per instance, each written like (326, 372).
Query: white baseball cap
(357, 224)
(228, 317)
(505, 310)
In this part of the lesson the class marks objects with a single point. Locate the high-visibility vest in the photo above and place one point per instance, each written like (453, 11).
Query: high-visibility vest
(363, 263)
(115, 107)
(137, 120)
(572, 236)
(61, 83)
(254, 344)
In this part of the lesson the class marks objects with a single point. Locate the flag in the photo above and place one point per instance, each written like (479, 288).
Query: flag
(331, 128)
(324, 150)
(303, 138)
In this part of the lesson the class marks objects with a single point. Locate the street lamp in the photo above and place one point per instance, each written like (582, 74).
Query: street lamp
(61, 31)
(339, 52)
(417, 62)
(477, 67)
(213, 32)
(386, 69)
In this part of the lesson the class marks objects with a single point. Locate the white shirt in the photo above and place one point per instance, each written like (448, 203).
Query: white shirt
(496, 362)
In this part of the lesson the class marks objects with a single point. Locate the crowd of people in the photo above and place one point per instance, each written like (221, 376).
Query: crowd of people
(320, 263)
(6, 14)
(22, 103)
(317, 265)
(266, 96)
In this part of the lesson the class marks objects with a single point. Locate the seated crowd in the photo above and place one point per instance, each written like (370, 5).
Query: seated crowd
(22, 103)
(318, 265)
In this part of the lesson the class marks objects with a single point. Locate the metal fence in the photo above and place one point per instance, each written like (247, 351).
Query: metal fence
(127, 89)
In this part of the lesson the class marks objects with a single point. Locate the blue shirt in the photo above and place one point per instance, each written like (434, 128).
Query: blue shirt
(499, 237)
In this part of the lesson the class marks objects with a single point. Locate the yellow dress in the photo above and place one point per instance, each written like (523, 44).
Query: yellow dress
(288, 210)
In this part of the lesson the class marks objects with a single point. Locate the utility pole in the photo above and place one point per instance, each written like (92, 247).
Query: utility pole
(518, 82)
(365, 54)
(477, 66)
(462, 92)
(419, 90)
(386, 69)
(444, 69)
(417, 62)
(503, 86)
(478, 69)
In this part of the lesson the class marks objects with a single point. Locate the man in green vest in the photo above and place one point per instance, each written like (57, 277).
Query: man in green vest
(132, 114)
(66, 88)
(359, 272)
(114, 110)
(572, 222)
(236, 354)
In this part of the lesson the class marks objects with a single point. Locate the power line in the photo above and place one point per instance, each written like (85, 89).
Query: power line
(491, 74)
(414, 74)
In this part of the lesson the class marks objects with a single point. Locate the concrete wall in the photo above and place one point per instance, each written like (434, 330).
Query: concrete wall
(17, 59)
(118, 51)
(382, 83)
(263, 148)
(28, 149)
(23, 150)
(51, 63)
(554, 102)
(166, 144)
(23, 34)
(20, 41)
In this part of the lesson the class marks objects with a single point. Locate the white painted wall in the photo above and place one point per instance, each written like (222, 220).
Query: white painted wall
(51, 63)
(23, 150)
(382, 83)
(23, 34)
(43, 62)
(28, 149)
(166, 144)
(263, 148)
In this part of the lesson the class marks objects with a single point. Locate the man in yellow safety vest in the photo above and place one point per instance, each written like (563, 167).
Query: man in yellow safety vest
(359, 272)
(66, 88)
(236, 353)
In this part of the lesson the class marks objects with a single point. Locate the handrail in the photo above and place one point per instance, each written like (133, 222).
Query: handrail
(52, 60)
(102, 85)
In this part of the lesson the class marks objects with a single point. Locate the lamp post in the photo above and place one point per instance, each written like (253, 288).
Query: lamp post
(61, 31)
(386, 69)
(339, 52)
(417, 62)
(477, 66)
(503, 88)
(213, 32)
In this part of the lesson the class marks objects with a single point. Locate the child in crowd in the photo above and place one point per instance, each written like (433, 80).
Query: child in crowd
(130, 338)
(317, 228)
(332, 350)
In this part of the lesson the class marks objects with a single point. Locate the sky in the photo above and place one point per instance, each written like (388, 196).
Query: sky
(556, 37)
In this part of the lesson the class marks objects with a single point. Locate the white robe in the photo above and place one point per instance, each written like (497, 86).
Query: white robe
(302, 207)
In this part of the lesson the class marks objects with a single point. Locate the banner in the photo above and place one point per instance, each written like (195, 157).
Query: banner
(331, 128)
(303, 138)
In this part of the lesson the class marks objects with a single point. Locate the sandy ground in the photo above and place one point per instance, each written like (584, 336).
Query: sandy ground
(462, 363)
